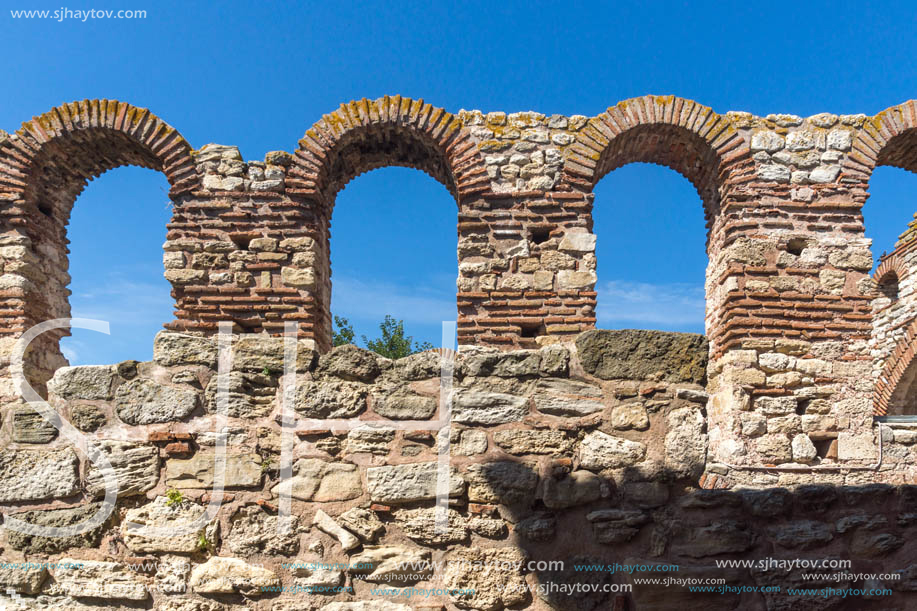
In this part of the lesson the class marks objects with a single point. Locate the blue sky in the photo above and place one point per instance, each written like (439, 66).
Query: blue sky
(258, 75)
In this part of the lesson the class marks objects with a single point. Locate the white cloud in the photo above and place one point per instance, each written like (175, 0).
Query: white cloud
(675, 305)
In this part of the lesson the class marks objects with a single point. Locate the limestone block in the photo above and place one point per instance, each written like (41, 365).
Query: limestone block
(599, 451)
(33, 475)
(319, 481)
(408, 483)
(220, 575)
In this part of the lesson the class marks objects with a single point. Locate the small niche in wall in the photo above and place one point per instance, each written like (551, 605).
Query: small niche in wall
(241, 240)
(795, 246)
(532, 329)
(826, 448)
(540, 234)
(888, 286)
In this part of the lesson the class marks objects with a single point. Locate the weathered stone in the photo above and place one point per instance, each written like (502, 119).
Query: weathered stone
(488, 579)
(647, 495)
(87, 417)
(539, 527)
(221, 575)
(330, 399)
(520, 442)
(370, 441)
(803, 534)
(242, 471)
(708, 499)
(319, 481)
(400, 403)
(22, 580)
(803, 449)
(326, 524)
(135, 468)
(298, 278)
(578, 587)
(720, 537)
(685, 442)
(599, 451)
(578, 242)
(257, 353)
(33, 475)
(555, 361)
(768, 503)
(815, 498)
(420, 525)
(250, 395)
(407, 483)
(253, 531)
(629, 416)
(559, 397)
(576, 280)
(364, 523)
(391, 564)
(171, 349)
(30, 427)
(418, 366)
(467, 442)
(517, 364)
(55, 518)
(856, 446)
(173, 518)
(83, 382)
(644, 355)
(350, 363)
(577, 488)
(614, 526)
(503, 482)
(317, 578)
(774, 448)
(364, 605)
(493, 528)
(143, 401)
(94, 579)
(487, 408)
(867, 521)
(874, 545)
(172, 576)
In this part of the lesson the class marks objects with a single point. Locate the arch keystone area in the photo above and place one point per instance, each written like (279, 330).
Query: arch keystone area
(130, 135)
(666, 130)
(390, 131)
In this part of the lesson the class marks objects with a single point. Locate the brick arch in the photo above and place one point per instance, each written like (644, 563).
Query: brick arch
(44, 166)
(665, 130)
(887, 138)
(390, 131)
(899, 364)
(93, 136)
(891, 265)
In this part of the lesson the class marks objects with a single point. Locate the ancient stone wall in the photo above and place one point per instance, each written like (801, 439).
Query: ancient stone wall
(586, 454)
(805, 348)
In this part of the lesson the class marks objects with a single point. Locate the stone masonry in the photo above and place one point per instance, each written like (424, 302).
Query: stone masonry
(803, 350)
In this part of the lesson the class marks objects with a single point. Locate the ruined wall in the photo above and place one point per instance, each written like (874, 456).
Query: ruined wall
(586, 454)
(804, 348)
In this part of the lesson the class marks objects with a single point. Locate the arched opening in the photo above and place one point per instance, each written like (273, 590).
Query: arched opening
(890, 220)
(393, 245)
(46, 165)
(887, 286)
(903, 400)
(368, 135)
(890, 212)
(650, 250)
(124, 211)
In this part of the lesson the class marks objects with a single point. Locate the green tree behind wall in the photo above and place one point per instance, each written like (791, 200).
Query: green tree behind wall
(393, 343)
